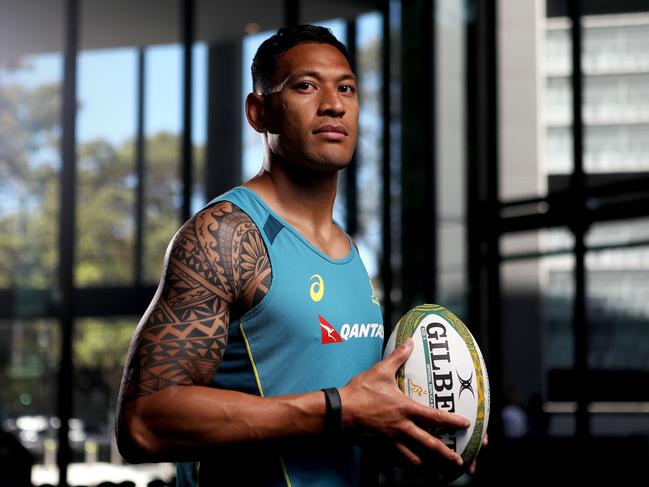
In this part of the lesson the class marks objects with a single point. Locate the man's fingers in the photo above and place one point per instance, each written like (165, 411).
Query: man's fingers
(400, 354)
(408, 454)
(430, 442)
(438, 416)
(474, 463)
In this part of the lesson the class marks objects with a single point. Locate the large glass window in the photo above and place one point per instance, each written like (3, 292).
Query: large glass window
(537, 310)
(163, 193)
(616, 80)
(555, 69)
(616, 95)
(28, 380)
(536, 161)
(31, 73)
(451, 155)
(105, 253)
(618, 283)
(100, 348)
(30, 115)
(369, 159)
(199, 123)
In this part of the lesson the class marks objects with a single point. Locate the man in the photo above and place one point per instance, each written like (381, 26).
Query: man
(227, 366)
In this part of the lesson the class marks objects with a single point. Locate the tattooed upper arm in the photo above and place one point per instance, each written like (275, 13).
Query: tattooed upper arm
(218, 258)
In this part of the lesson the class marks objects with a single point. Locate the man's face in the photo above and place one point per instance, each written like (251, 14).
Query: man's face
(312, 112)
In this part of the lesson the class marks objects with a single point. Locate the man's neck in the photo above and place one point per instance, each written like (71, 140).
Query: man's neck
(304, 198)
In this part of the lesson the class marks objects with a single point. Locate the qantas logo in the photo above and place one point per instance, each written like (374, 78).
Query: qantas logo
(329, 333)
(347, 331)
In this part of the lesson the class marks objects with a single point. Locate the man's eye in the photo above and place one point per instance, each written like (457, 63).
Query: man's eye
(304, 85)
(346, 89)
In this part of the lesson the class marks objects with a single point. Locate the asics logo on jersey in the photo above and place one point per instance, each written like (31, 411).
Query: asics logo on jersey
(316, 290)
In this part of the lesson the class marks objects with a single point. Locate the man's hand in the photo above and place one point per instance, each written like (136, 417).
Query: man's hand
(374, 406)
(474, 463)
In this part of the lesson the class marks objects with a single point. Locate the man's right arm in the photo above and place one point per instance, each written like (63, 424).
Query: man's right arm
(166, 409)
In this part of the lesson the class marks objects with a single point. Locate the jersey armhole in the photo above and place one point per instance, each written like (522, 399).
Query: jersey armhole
(267, 244)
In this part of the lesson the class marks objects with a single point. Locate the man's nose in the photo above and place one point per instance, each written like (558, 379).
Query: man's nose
(331, 103)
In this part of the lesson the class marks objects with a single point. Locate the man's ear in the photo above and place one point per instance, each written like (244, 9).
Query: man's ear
(255, 112)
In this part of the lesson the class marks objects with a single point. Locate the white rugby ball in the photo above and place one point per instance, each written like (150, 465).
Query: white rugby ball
(446, 370)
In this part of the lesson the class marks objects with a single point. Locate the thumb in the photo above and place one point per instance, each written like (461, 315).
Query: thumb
(400, 354)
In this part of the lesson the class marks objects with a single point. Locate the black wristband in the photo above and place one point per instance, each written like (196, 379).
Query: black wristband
(333, 422)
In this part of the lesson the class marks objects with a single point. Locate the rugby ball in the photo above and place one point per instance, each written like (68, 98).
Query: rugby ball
(446, 370)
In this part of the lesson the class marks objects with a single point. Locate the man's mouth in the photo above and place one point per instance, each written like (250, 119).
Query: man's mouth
(332, 132)
(339, 129)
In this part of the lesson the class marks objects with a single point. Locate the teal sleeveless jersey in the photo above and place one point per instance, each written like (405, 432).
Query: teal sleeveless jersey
(318, 326)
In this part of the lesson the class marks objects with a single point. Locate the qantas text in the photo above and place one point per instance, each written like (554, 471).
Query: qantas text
(361, 330)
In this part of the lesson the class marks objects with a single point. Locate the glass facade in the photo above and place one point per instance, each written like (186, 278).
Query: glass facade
(541, 262)
(616, 79)
(616, 93)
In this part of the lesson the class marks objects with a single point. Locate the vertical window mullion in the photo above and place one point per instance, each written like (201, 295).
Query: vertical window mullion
(386, 234)
(187, 32)
(67, 234)
(579, 225)
(351, 190)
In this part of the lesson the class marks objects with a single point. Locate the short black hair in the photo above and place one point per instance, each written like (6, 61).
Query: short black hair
(264, 63)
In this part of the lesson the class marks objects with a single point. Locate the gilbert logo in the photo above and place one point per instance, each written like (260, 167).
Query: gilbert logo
(465, 384)
(316, 290)
(329, 333)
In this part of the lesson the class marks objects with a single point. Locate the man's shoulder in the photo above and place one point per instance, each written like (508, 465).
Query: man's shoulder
(217, 245)
(221, 216)
(213, 231)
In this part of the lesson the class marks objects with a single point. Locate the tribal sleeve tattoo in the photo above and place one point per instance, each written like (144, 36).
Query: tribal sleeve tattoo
(217, 259)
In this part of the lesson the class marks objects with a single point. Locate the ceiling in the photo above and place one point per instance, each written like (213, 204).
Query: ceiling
(36, 26)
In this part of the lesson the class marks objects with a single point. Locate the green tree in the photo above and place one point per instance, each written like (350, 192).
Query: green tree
(105, 237)
(29, 135)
